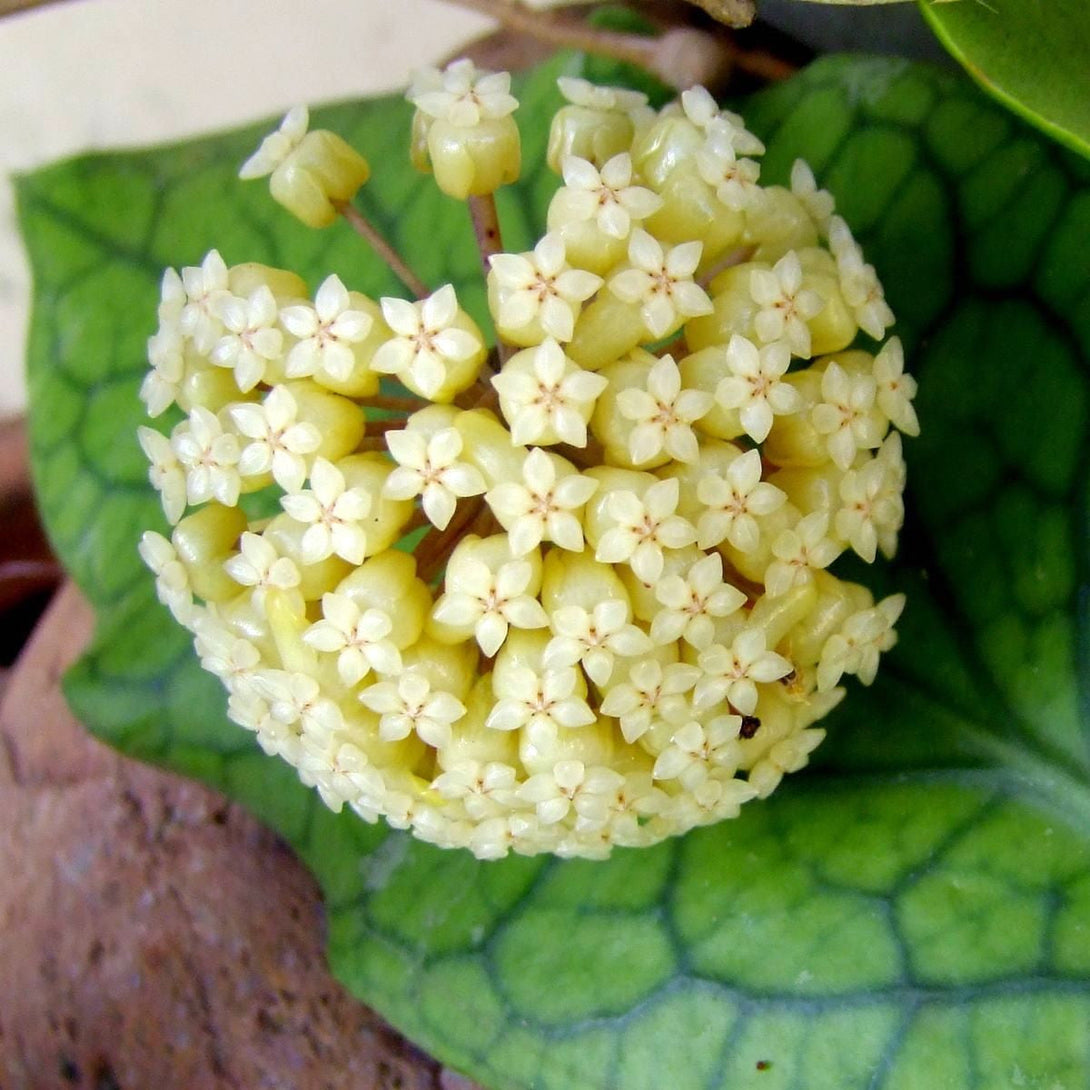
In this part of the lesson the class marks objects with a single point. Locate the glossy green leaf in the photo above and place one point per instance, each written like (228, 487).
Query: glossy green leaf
(1031, 55)
(913, 912)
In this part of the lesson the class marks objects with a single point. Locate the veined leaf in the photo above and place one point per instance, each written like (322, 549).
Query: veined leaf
(1031, 56)
(914, 911)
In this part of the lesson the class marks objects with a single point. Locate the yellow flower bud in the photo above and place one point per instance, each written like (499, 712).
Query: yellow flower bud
(734, 310)
(668, 143)
(204, 540)
(387, 581)
(605, 331)
(691, 210)
(451, 668)
(243, 280)
(339, 420)
(383, 525)
(589, 133)
(835, 601)
(593, 745)
(778, 224)
(487, 445)
(577, 579)
(470, 161)
(286, 536)
(210, 387)
(778, 616)
(321, 173)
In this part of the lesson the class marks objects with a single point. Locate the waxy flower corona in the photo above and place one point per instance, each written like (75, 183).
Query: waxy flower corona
(575, 592)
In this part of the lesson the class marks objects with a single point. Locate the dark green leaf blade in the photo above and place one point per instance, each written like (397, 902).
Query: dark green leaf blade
(901, 917)
(1031, 56)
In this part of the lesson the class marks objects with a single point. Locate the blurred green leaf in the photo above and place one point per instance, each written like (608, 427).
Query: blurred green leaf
(915, 911)
(1033, 57)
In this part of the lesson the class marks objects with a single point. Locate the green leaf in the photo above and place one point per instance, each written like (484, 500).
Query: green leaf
(1031, 56)
(913, 912)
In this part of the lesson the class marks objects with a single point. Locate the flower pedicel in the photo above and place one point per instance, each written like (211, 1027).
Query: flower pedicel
(618, 621)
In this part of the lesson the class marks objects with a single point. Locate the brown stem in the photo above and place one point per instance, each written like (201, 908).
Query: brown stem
(682, 57)
(584, 457)
(547, 26)
(434, 549)
(391, 403)
(381, 427)
(367, 230)
(486, 229)
(416, 521)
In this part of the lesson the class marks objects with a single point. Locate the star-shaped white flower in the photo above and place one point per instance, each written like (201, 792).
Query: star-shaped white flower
(545, 398)
(859, 282)
(818, 203)
(661, 283)
(896, 389)
(462, 94)
(166, 348)
(257, 564)
(846, 415)
(753, 386)
(326, 332)
(541, 287)
(788, 755)
(166, 474)
(279, 443)
(343, 774)
(485, 788)
(225, 654)
(734, 179)
(210, 457)
(162, 384)
(411, 704)
(358, 637)
(278, 145)
(488, 602)
(426, 342)
(205, 286)
(734, 502)
(663, 415)
(733, 673)
(570, 785)
(594, 639)
(544, 506)
(692, 601)
(251, 338)
(872, 508)
(581, 92)
(333, 514)
(799, 552)
(296, 699)
(644, 527)
(652, 694)
(785, 305)
(607, 196)
(860, 640)
(719, 797)
(704, 112)
(696, 749)
(428, 467)
(545, 702)
(171, 577)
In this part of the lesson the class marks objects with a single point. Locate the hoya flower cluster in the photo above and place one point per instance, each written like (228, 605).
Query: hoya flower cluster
(617, 618)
